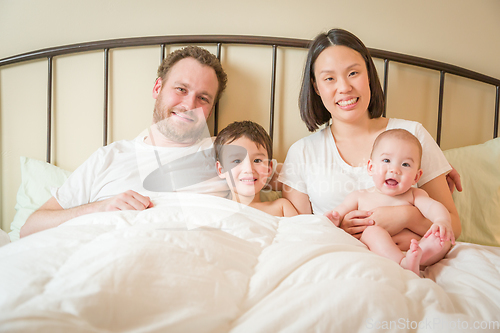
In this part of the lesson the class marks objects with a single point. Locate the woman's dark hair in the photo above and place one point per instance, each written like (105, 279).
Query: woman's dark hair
(312, 109)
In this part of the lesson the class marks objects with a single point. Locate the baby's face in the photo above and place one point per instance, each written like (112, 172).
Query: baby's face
(248, 164)
(395, 166)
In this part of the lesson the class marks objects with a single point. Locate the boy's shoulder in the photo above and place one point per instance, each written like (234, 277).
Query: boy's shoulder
(280, 207)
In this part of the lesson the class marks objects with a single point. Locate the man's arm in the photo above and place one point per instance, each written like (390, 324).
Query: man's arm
(51, 214)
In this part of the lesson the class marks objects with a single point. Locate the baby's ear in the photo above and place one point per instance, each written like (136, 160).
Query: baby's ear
(418, 175)
(220, 170)
(369, 167)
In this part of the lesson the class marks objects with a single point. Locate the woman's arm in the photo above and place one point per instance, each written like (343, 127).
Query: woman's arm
(298, 199)
(453, 180)
(438, 190)
(394, 219)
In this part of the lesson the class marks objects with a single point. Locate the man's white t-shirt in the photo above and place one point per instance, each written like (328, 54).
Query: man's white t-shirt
(125, 165)
(314, 166)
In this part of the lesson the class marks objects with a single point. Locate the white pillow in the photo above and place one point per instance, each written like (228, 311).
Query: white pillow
(37, 179)
(479, 204)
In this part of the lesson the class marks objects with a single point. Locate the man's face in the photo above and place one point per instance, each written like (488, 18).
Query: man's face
(184, 100)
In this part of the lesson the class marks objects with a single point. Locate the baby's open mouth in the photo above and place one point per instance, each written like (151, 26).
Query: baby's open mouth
(391, 182)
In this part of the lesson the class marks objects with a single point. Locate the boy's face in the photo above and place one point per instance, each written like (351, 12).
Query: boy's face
(395, 166)
(248, 165)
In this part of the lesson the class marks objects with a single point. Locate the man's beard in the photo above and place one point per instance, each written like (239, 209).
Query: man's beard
(177, 131)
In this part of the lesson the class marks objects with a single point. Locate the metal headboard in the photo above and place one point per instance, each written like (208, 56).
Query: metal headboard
(219, 40)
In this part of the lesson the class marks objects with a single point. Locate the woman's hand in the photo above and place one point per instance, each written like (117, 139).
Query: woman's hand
(393, 219)
(453, 180)
(356, 221)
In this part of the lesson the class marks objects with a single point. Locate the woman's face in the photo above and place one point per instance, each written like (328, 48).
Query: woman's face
(342, 82)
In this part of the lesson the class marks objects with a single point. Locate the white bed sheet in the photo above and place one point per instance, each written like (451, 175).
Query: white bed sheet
(198, 263)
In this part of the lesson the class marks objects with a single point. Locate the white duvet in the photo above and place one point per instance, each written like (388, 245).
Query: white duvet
(198, 263)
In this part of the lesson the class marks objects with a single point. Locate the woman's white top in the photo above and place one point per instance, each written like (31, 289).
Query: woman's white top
(314, 166)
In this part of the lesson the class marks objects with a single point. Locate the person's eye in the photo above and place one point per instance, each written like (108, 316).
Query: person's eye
(236, 161)
(205, 99)
(257, 160)
(329, 79)
(406, 165)
(386, 160)
(180, 89)
(353, 73)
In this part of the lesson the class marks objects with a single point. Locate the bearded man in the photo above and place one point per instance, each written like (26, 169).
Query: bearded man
(175, 154)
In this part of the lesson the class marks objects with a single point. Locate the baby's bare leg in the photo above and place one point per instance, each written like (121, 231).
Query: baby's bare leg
(403, 239)
(380, 242)
(432, 249)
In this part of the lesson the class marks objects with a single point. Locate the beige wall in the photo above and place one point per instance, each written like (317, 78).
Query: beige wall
(464, 33)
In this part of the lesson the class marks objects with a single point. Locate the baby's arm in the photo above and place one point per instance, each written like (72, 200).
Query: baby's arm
(437, 213)
(350, 203)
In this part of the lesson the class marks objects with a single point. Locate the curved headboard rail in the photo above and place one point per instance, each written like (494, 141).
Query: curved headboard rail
(275, 42)
(155, 40)
(237, 39)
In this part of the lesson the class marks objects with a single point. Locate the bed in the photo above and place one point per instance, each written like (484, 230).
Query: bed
(199, 263)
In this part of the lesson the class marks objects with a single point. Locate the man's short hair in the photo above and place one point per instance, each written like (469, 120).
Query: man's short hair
(203, 56)
(248, 129)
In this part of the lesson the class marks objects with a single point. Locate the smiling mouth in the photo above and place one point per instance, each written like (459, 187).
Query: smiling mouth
(248, 180)
(391, 182)
(183, 116)
(348, 102)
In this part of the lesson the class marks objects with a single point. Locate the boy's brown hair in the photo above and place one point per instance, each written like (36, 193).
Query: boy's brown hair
(248, 129)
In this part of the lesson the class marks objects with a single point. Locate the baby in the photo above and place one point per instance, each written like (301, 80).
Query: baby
(243, 151)
(394, 166)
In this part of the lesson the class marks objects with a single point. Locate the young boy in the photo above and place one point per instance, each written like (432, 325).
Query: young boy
(395, 167)
(244, 151)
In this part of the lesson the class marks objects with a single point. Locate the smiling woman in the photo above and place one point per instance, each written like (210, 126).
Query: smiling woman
(341, 80)
(340, 83)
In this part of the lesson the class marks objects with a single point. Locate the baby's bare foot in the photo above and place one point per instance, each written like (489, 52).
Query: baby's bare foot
(412, 259)
(433, 249)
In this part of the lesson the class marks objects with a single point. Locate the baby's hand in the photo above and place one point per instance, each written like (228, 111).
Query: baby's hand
(443, 229)
(334, 217)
